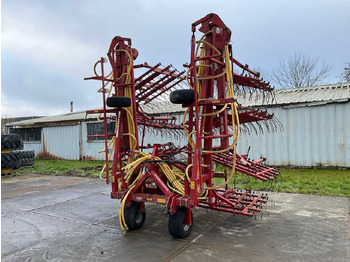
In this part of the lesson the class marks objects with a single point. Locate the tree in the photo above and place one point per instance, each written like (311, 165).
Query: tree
(300, 71)
(4, 120)
(346, 74)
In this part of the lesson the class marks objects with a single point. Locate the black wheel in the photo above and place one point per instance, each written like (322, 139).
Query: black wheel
(25, 153)
(118, 101)
(134, 217)
(10, 160)
(184, 96)
(17, 163)
(11, 141)
(177, 227)
(27, 161)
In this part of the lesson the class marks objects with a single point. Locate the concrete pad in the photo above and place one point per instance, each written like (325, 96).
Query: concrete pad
(92, 209)
(104, 241)
(27, 229)
(15, 186)
(77, 221)
(96, 243)
(274, 238)
(35, 191)
(35, 200)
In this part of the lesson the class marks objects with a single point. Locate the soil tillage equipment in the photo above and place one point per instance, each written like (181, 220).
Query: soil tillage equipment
(211, 125)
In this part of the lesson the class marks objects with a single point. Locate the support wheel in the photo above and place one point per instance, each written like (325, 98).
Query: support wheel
(183, 96)
(177, 226)
(134, 217)
(118, 101)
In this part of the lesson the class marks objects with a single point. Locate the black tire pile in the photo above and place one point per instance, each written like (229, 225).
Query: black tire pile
(15, 157)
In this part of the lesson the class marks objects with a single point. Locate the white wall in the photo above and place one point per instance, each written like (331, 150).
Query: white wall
(61, 141)
(90, 148)
(312, 136)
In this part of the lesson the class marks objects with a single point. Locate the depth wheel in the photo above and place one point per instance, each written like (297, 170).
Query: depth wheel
(182, 96)
(177, 226)
(118, 101)
(134, 217)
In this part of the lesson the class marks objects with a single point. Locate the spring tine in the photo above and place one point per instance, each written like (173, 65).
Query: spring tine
(252, 125)
(273, 120)
(267, 126)
(257, 94)
(260, 128)
(263, 95)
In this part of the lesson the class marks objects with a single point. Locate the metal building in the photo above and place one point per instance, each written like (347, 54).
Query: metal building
(316, 130)
(60, 137)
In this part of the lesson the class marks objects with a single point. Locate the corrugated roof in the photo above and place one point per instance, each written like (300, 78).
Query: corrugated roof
(155, 108)
(336, 93)
(68, 117)
(307, 96)
(298, 96)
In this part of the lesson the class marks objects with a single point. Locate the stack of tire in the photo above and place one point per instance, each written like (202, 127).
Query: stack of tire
(12, 155)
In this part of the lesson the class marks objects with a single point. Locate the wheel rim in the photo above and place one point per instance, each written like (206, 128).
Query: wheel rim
(138, 217)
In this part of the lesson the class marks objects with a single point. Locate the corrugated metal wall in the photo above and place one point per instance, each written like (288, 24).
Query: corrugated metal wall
(36, 146)
(90, 148)
(162, 137)
(61, 141)
(312, 136)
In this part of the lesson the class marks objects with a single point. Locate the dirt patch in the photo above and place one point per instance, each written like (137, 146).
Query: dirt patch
(90, 172)
(69, 173)
(92, 168)
(76, 173)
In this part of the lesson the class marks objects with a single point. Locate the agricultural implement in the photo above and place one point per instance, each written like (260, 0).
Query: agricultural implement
(211, 124)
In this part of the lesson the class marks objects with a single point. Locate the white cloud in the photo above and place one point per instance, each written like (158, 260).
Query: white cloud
(17, 107)
(46, 45)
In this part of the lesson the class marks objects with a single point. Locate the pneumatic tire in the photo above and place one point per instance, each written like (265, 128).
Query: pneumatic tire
(184, 96)
(118, 101)
(10, 160)
(177, 227)
(26, 153)
(134, 217)
(27, 161)
(11, 141)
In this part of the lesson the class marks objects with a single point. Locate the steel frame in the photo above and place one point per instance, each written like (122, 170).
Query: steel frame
(153, 186)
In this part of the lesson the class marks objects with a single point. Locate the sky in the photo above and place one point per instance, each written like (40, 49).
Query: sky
(48, 47)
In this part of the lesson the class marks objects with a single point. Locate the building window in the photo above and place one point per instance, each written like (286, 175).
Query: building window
(98, 129)
(28, 134)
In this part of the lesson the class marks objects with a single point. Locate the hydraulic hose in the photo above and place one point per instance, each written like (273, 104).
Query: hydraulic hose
(233, 105)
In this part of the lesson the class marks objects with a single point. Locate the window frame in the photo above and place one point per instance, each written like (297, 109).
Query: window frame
(97, 128)
(35, 137)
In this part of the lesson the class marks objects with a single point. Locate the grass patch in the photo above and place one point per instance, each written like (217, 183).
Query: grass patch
(63, 167)
(329, 182)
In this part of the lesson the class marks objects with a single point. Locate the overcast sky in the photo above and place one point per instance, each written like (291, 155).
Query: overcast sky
(48, 47)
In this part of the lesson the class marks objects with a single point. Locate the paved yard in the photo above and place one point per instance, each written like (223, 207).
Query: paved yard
(52, 218)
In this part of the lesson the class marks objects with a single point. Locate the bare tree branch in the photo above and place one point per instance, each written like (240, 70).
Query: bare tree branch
(300, 71)
(345, 76)
(4, 120)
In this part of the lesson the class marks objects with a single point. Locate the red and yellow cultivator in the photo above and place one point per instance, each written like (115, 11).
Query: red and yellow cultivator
(211, 124)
